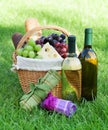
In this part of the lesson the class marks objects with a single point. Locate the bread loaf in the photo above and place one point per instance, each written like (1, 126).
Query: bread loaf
(31, 23)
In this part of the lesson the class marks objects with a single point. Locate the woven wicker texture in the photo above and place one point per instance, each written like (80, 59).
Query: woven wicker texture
(26, 77)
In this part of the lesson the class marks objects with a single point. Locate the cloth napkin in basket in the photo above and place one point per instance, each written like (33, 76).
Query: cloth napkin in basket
(39, 91)
(65, 107)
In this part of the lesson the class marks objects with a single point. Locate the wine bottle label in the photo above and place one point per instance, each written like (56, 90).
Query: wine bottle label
(92, 58)
(71, 84)
(91, 54)
(68, 64)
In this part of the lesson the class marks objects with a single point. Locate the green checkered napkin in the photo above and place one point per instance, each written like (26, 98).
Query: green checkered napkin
(39, 91)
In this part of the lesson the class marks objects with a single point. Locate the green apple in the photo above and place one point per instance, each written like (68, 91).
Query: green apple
(37, 47)
(19, 51)
(31, 42)
(25, 53)
(31, 54)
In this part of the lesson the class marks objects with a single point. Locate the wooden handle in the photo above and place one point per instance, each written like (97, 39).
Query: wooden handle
(31, 32)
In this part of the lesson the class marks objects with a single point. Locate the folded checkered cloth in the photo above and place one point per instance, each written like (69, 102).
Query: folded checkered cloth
(40, 90)
(65, 107)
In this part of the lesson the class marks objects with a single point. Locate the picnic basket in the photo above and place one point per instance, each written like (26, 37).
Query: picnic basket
(25, 76)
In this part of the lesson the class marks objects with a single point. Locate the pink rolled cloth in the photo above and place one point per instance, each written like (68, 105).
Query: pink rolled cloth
(53, 103)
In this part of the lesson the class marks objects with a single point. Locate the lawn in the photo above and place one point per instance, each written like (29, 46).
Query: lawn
(75, 16)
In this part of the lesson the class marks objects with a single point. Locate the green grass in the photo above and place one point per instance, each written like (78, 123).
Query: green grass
(75, 16)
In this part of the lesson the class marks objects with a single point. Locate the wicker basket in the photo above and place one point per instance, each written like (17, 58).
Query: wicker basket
(25, 76)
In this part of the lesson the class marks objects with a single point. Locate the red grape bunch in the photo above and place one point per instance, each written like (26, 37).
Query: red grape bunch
(57, 41)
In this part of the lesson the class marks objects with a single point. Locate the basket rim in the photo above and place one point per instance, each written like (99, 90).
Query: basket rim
(32, 31)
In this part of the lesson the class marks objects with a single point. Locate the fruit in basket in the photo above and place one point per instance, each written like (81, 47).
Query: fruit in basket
(19, 51)
(28, 47)
(25, 53)
(29, 50)
(31, 54)
(63, 36)
(57, 41)
(61, 48)
(38, 57)
(31, 42)
(48, 52)
(52, 46)
(37, 48)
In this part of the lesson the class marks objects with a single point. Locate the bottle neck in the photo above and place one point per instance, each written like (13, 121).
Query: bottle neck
(72, 55)
(71, 46)
(88, 38)
(87, 46)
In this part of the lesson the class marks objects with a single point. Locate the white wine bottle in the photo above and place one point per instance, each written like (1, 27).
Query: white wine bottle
(71, 73)
(89, 62)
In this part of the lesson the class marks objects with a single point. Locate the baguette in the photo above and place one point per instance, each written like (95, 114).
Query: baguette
(31, 23)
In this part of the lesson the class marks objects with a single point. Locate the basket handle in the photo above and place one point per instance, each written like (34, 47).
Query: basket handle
(31, 32)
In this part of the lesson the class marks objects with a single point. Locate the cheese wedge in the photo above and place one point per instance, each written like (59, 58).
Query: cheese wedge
(48, 52)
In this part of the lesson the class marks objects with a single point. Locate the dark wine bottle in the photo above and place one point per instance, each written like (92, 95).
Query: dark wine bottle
(71, 73)
(16, 37)
(89, 63)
